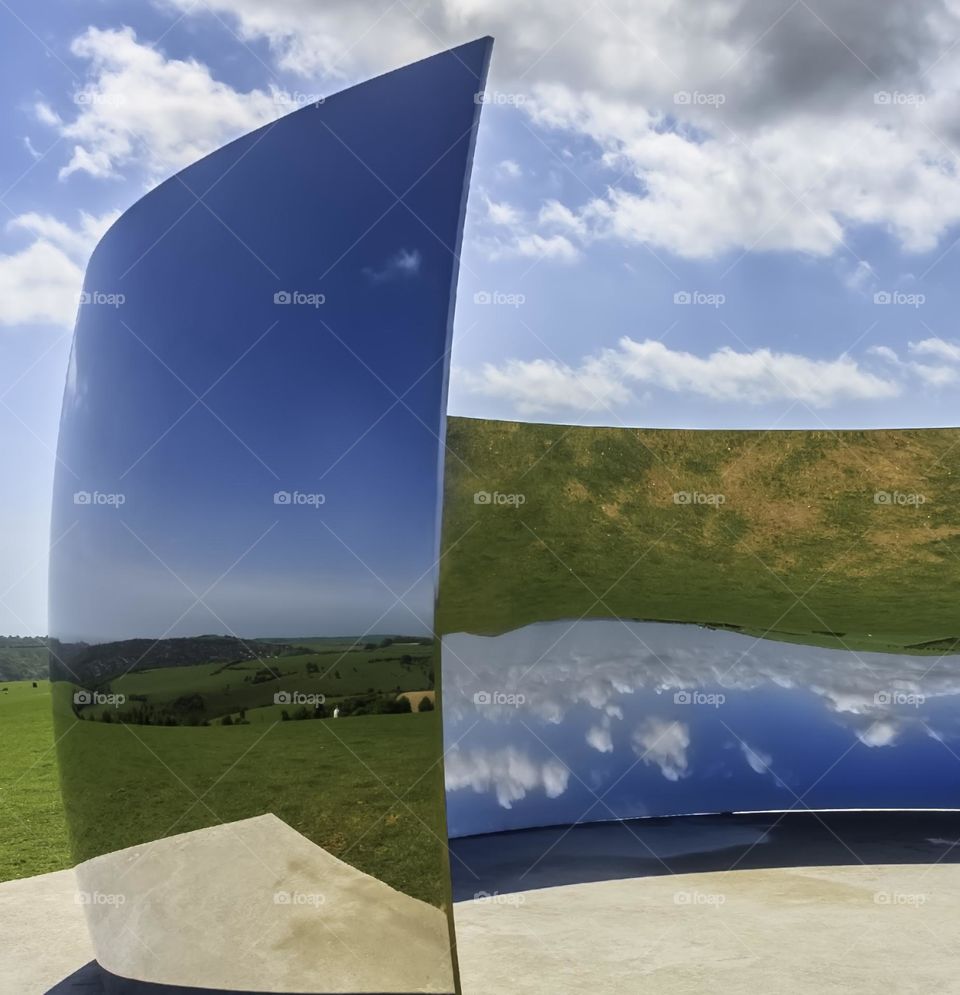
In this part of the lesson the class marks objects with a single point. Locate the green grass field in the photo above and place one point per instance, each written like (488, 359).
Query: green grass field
(799, 550)
(32, 827)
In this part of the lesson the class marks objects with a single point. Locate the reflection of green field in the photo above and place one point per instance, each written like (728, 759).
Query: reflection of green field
(33, 836)
(225, 691)
(799, 550)
(335, 781)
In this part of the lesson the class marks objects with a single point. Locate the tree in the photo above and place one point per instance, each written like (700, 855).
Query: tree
(226, 721)
(426, 705)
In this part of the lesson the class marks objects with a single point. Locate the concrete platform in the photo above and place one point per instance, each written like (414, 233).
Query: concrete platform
(817, 930)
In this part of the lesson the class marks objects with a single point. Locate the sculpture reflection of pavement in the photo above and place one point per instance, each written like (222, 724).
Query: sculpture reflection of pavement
(249, 906)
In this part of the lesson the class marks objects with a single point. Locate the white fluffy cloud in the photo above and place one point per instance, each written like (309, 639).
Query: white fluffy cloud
(934, 361)
(606, 380)
(510, 773)
(737, 124)
(538, 386)
(664, 744)
(138, 108)
(599, 736)
(40, 283)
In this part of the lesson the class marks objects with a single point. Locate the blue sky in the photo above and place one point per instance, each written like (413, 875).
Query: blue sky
(734, 214)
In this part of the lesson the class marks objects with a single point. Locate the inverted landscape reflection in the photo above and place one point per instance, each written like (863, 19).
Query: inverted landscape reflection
(560, 723)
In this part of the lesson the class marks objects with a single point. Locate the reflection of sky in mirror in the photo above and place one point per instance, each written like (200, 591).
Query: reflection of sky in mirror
(575, 722)
(282, 330)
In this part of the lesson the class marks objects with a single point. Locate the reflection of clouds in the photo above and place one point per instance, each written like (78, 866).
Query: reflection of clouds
(657, 741)
(509, 772)
(758, 760)
(559, 667)
(883, 732)
(599, 736)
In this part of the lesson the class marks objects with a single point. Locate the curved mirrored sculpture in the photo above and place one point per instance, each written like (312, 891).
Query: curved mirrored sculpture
(245, 534)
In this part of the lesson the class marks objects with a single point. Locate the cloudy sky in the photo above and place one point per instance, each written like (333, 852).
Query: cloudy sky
(731, 213)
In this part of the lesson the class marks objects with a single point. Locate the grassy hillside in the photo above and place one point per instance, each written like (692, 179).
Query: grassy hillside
(33, 833)
(797, 548)
(23, 658)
